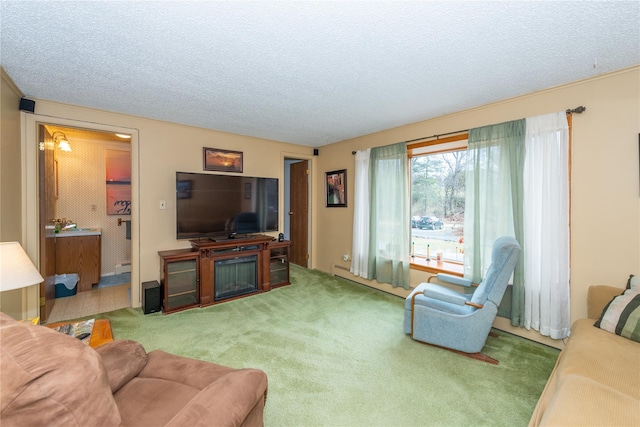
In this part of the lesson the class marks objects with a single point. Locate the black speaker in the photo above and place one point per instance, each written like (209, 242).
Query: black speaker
(27, 105)
(280, 237)
(151, 297)
(316, 151)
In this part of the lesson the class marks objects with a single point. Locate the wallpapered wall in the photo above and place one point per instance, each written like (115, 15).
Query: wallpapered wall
(82, 197)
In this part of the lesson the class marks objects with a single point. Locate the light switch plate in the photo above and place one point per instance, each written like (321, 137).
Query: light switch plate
(163, 204)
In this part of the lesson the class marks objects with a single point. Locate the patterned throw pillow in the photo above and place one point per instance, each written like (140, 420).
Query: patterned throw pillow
(622, 315)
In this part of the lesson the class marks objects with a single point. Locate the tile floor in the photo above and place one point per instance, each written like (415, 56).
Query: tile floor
(88, 303)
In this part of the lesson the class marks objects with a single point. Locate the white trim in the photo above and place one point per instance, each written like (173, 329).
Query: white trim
(30, 222)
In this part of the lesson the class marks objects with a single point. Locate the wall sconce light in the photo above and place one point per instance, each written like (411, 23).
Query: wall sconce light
(60, 139)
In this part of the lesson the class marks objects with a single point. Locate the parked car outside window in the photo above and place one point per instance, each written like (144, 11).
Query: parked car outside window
(429, 223)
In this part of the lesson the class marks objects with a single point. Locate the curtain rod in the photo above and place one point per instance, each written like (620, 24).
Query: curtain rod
(578, 110)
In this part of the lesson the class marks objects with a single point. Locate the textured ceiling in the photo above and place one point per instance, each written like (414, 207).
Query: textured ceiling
(309, 73)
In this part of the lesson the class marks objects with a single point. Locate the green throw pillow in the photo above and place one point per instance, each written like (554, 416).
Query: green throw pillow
(622, 315)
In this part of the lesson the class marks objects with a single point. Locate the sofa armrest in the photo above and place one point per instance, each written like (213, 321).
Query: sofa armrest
(225, 402)
(123, 360)
(598, 297)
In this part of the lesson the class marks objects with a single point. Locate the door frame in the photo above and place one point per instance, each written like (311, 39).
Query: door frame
(311, 227)
(31, 203)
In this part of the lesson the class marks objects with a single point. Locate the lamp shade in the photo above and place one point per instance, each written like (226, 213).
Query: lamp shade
(16, 269)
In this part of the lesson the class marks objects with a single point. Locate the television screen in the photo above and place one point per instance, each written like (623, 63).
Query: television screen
(218, 206)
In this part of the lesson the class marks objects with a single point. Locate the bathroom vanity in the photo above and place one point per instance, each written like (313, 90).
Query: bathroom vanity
(79, 251)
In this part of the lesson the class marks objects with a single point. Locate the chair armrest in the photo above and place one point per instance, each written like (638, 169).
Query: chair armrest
(449, 278)
(598, 297)
(442, 295)
(123, 361)
(225, 402)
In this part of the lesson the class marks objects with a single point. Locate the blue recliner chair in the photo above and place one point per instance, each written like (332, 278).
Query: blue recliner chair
(459, 321)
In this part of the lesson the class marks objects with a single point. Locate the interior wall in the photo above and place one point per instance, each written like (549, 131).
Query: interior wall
(10, 199)
(165, 148)
(10, 172)
(605, 244)
(82, 197)
(605, 215)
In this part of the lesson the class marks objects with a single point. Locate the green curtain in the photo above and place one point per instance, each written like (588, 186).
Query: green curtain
(494, 201)
(390, 229)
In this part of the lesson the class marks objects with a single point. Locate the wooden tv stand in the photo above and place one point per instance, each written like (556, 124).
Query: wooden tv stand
(189, 275)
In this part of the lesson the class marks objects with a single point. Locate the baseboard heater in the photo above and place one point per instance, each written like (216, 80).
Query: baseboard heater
(123, 267)
(344, 273)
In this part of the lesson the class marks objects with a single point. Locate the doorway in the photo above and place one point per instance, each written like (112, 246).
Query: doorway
(71, 185)
(296, 227)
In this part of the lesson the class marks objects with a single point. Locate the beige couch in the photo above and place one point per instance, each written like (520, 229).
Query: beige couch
(51, 379)
(596, 380)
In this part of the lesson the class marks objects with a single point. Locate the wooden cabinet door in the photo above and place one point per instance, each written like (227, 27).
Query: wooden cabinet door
(180, 279)
(81, 255)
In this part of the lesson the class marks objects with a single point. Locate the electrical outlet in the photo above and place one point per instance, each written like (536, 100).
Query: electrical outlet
(163, 204)
(345, 257)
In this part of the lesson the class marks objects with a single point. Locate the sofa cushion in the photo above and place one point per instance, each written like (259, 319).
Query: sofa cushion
(123, 360)
(602, 357)
(229, 401)
(598, 297)
(46, 378)
(622, 316)
(152, 402)
(581, 401)
(192, 372)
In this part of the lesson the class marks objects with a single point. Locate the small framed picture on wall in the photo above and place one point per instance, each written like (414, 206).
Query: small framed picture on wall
(336, 189)
(222, 160)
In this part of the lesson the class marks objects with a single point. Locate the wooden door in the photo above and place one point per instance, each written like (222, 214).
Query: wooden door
(299, 214)
(47, 180)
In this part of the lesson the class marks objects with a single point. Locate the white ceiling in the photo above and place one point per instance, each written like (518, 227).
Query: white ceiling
(304, 72)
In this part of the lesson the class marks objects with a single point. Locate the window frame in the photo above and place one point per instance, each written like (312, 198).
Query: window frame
(451, 142)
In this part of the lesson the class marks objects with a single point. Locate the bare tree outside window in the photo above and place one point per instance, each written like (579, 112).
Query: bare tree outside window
(437, 204)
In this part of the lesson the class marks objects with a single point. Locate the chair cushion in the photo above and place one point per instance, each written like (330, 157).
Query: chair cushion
(123, 360)
(504, 257)
(439, 305)
(47, 376)
(446, 295)
(152, 401)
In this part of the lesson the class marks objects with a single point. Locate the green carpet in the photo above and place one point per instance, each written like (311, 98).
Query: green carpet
(336, 355)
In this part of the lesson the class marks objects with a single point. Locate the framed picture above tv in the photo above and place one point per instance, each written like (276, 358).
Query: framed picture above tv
(218, 160)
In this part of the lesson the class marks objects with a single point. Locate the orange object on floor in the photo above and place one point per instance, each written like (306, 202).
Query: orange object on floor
(100, 334)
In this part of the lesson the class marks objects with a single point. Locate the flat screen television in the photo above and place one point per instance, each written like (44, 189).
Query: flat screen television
(222, 206)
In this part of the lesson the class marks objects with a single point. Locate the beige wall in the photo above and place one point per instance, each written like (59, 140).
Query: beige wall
(10, 199)
(10, 194)
(605, 218)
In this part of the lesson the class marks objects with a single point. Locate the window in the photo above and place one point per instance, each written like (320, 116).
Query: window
(437, 202)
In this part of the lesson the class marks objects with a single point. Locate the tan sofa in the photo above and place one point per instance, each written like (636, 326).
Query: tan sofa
(596, 380)
(51, 379)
